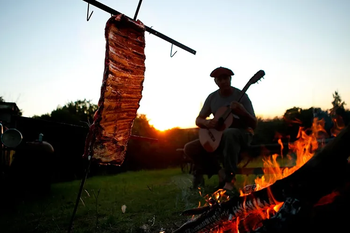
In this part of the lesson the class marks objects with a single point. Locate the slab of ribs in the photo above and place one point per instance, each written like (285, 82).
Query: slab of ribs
(121, 91)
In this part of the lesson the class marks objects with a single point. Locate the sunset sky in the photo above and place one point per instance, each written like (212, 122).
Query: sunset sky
(50, 54)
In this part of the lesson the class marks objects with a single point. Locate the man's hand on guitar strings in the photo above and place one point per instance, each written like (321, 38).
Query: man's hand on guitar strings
(211, 123)
(237, 108)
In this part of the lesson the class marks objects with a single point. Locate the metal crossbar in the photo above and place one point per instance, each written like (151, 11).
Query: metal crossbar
(148, 29)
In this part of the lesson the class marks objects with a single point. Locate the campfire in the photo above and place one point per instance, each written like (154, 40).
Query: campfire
(308, 197)
(303, 148)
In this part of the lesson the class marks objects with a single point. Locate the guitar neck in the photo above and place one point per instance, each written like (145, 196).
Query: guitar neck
(243, 92)
(228, 110)
(254, 79)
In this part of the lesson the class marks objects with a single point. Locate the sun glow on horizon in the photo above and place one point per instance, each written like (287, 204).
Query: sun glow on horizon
(167, 123)
(163, 126)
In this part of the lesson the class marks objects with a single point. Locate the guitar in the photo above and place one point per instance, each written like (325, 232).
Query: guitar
(210, 138)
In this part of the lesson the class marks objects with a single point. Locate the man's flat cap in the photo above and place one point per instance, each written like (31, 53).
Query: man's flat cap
(221, 71)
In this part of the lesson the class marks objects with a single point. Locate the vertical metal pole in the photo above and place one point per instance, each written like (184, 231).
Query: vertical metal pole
(137, 10)
(79, 194)
(2, 154)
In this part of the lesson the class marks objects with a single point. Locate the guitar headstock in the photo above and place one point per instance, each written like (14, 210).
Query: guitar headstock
(257, 77)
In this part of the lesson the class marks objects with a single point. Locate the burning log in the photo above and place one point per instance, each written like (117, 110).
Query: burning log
(329, 214)
(298, 195)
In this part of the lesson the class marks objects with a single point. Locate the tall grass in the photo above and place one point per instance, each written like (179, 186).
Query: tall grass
(154, 200)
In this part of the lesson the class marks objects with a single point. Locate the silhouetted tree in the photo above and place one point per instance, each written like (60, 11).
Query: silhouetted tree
(80, 112)
(292, 115)
(339, 115)
(141, 127)
(141, 151)
(337, 103)
(270, 130)
(297, 117)
(321, 114)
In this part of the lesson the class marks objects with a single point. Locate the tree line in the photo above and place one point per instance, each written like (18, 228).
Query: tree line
(161, 152)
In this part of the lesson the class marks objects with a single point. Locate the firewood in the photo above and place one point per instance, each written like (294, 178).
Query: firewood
(325, 172)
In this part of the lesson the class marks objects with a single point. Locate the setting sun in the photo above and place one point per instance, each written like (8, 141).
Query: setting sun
(161, 127)
(165, 124)
(180, 117)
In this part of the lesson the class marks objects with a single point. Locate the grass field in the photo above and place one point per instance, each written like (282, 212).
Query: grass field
(154, 200)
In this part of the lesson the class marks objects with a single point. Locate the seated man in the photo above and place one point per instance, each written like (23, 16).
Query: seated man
(237, 136)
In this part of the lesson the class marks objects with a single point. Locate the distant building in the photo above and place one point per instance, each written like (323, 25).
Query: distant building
(7, 111)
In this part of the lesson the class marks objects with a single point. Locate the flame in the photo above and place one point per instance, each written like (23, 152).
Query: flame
(282, 147)
(338, 123)
(217, 197)
(307, 143)
(302, 149)
(237, 225)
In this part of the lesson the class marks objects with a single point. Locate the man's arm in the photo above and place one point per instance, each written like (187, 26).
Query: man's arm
(202, 122)
(246, 119)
